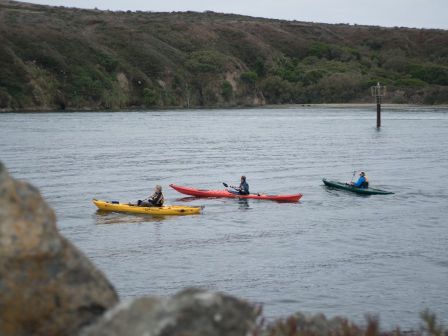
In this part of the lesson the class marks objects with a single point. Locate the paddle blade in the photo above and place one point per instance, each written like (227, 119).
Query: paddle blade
(225, 184)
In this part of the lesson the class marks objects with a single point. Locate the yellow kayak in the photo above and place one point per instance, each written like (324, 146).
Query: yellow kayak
(178, 210)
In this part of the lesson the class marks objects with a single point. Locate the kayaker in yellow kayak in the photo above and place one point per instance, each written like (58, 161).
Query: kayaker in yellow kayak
(156, 199)
(363, 181)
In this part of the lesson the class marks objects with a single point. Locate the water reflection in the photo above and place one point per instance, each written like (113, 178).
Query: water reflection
(337, 192)
(188, 199)
(106, 217)
(243, 203)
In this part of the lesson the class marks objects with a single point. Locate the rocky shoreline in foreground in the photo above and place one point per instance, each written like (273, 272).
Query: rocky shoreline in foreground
(49, 287)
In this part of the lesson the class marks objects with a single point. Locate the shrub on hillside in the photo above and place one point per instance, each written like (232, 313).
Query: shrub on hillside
(206, 61)
(431, 74)
(249, 77)
(313, 76)
(87, 83)
(5, 98)
(150, 96)
(339, 87)
(226, 90)
(333, 52)
(13, 77)
(410, 82)
(109, 62)
(276, 90)
(259, 67)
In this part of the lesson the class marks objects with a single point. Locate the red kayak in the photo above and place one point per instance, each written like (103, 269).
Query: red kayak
(225, 193)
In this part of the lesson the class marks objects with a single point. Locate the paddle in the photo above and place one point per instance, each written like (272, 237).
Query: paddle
(351, 181)
(354, 173)
(237, 189)
(229, 186)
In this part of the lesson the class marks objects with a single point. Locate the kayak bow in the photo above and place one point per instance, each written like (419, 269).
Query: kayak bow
(225, 193)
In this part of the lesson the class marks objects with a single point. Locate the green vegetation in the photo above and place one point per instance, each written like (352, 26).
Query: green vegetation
(300, 324)
(59, 58)
(249, 77)
(227, 91)
(205, 61)
(150, 97)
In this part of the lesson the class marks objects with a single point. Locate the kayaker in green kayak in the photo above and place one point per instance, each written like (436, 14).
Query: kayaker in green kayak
(156, 199)
(363, 181)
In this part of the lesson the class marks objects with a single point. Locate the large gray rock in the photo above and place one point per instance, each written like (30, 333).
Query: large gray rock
(192, 312)
(47, 286)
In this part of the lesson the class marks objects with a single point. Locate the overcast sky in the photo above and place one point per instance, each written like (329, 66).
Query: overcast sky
(390, 13)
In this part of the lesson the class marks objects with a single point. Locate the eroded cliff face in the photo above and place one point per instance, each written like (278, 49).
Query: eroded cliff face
(47, 286)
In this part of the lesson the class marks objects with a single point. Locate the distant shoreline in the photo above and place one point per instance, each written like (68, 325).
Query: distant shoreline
(385, 107)
(359, 105)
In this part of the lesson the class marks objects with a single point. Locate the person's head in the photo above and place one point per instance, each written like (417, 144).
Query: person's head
(363, 174)
(158, 188)
(243, 178)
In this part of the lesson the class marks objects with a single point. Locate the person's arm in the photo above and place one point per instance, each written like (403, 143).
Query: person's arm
(150, 198)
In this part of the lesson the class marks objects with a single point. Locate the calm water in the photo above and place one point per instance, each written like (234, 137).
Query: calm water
(334, 252)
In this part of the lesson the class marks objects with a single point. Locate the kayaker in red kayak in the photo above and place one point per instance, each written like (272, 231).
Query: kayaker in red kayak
(243, 189)
(226, 193)
(156, 199)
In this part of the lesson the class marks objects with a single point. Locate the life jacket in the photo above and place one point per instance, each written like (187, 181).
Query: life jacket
(365, 184)
(157, 199)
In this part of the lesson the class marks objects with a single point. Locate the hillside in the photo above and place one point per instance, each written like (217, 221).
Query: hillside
(55, 58)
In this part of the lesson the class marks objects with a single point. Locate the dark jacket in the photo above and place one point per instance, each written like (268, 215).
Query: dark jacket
(244, 188)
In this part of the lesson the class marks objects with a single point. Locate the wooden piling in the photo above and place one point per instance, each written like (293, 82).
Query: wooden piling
(378, 91)
(378, 113)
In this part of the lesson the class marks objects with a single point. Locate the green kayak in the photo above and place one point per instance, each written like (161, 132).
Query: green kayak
(348, 187)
